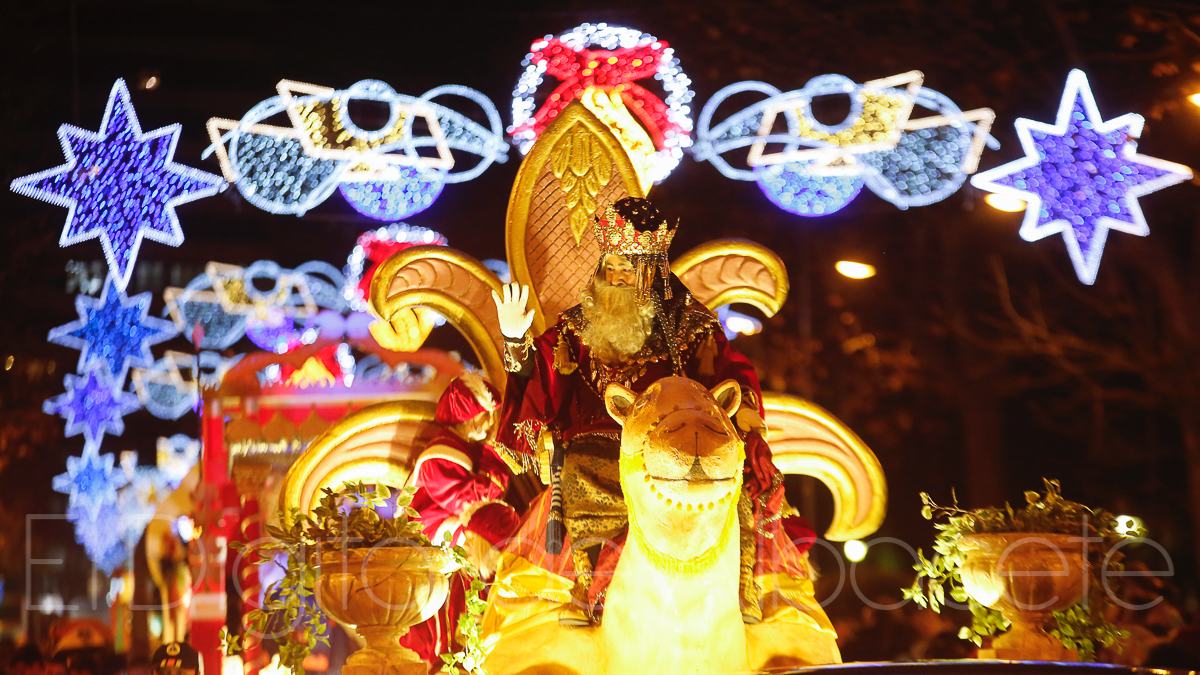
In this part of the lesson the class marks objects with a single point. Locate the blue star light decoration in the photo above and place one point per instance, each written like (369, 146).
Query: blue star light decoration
(1081, 177)
(119, 185)
(114, 330)
(92, 405)
(91, 481)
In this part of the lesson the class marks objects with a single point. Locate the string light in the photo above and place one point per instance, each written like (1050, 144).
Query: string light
(91, 480)
(198, 314)
(384, 173)
(92, 405)
(615, 60)
(411, 193)
(375, 246)
(176, 454)
(119, 185)
(805, 190)
(110, 532)
(162, 389)
(113, 330)
(820, 168)
(1081, 177)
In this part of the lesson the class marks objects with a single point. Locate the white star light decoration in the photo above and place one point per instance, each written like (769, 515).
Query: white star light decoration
(91, 480)
(114, 330)
(119, 185)
(1081, 177)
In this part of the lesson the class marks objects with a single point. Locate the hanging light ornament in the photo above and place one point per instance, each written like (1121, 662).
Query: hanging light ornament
(810, 168)
(120, 185)
(1081, 177)
(609, 69)
(386, 173)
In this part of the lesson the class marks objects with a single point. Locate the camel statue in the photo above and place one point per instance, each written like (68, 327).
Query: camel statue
(672, 605)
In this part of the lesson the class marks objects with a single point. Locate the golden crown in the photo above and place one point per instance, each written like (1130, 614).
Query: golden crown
(615, 235)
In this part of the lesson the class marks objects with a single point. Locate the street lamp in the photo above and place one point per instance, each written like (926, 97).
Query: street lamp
(1003, 202)
(854, 270)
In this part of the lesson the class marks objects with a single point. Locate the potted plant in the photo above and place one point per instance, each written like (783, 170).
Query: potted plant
(361, 558)
(1035, 574)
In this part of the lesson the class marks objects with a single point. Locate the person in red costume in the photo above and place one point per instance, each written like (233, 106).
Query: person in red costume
(635, 323)
(460, 482)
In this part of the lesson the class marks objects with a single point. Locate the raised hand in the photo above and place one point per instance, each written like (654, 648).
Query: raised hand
(515, 320)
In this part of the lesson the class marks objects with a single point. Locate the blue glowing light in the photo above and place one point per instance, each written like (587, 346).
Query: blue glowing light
(410, 194)
(810, 168)
(90, 480)
(795, 188)
(92, 405)
(386, 173)
(111, 531)
(1081, 177)
(113, 330)
(119, 185)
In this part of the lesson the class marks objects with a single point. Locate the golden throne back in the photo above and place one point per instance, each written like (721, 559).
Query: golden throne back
(580, 164)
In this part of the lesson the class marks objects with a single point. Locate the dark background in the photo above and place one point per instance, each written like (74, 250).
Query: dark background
(932, 361)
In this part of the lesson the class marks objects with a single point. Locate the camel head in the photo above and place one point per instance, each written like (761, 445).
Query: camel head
(681, 463)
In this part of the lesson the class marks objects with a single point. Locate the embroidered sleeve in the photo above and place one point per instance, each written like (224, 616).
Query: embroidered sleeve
(517, 355)
(532, 403)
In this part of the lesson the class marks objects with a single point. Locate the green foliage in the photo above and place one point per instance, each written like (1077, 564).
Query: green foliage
(1081, 627)
(344, 518)
(468, 634)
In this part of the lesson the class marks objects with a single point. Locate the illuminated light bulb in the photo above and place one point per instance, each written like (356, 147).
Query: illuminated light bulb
(743, 325)
(854, 270)
(186, 528)
(1004, 202)
(1129, 526)
(855, 550)
(1194, 99)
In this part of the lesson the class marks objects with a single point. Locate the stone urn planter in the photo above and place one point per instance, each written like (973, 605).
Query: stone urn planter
(1026, 576)
(382, 592)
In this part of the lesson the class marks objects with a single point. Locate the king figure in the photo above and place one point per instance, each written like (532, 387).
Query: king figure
(635, 323)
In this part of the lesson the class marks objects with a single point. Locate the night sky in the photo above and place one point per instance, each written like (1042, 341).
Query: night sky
(923, 360)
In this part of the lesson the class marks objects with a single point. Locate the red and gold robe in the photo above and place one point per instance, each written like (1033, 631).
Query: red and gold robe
(454, 478)
(557, 388)
(459, 487)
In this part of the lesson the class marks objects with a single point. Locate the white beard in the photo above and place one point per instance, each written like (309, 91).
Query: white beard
(616, 325)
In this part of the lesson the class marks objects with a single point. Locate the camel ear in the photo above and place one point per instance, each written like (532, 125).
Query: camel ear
(619, 401)
(728, 395)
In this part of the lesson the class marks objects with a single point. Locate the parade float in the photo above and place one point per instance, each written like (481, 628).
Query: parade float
(576, 162)
(333, 398)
